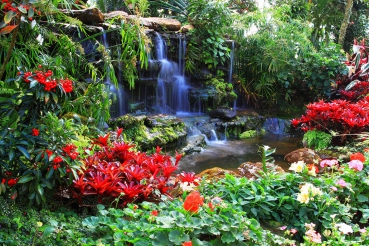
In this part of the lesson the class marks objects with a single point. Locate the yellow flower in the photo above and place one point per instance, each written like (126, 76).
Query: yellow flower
(297, 166)
(39, 224)
(303, 198)
(312, 171)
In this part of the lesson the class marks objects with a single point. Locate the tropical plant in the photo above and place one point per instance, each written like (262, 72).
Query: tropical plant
(280, 69)
(177, 9)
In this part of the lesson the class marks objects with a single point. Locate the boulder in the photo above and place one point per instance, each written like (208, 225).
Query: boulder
(186, 28)
(116, 14)
(86, 16)
(194, 144)
(223, 113)
(252, 170)
(216, 173)
(304, 154)
(160, 24)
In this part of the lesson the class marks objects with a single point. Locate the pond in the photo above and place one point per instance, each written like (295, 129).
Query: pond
(231, 154)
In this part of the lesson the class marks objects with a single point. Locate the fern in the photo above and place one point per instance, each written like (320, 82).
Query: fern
(317, 139)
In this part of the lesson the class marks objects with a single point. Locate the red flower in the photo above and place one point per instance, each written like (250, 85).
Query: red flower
(12, 182)
(211, 206)
(193, 202)
(189, 243)
(189, 177)
(67, 85)
(48, 152)
(58, 160)
(35, 132)
(357, 156)
(119, 131)
(3, 181)
(155, 212)
(101, 140)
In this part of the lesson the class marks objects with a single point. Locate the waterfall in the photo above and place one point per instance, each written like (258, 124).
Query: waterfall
(231, 62)
(172, 88)
(117, 95)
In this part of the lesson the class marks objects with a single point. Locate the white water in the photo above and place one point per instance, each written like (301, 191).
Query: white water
(172, 88)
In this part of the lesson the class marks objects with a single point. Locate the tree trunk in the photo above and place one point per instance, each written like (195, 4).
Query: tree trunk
(345, 22)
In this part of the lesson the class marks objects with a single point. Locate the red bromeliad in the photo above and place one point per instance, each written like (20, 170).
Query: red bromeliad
(117, 172)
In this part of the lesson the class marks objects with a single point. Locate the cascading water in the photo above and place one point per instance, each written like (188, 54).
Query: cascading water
(171, 89)
(230, 73)
(118, 95)
(231, 62)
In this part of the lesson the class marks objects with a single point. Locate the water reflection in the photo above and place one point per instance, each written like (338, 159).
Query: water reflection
(231, 154)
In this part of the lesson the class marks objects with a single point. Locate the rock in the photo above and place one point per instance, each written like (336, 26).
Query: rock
(157, 23)
(194, 144)
(150, 131)
(216, 173)
(116, 14)
(160, 24)
(86, 16)
(252, 170)
(223, 113)
(186, 28)
(304, 154)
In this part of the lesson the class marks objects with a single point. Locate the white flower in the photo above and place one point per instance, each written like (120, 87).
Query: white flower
(344, 228)
(298, 167)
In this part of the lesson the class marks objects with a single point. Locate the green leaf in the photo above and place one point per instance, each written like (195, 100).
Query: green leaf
(22, 9)
(160, 239)
(2, 188)
(178, 237)
(9, 16)
(40, 190)
(25, 179)
(49, 173)
(24, 152)
(11, 154)
(227, 237)
(362, 198)
(47, 230)
(31, 12)
(167, 221)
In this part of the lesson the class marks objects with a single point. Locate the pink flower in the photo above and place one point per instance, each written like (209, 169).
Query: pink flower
(282, 228)
(328, 163)
(362, 230)
(341, 183)
(356, 165)
(334, 188)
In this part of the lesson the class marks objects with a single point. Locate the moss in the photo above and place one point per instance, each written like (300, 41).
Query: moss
(248, 134)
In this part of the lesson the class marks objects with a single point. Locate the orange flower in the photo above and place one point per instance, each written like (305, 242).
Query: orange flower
(155, 212)
(357, 156)
(311, 166)
(189, 243)
(193, 202)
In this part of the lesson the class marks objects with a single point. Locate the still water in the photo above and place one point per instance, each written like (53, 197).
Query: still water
(231, 154)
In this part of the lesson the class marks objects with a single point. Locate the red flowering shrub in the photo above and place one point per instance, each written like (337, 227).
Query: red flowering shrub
(340, 116)
(193, 202)
(357, 156)
(117, 172)
(348, 114)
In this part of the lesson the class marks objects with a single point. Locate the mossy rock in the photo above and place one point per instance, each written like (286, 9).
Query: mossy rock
(151, 131)
(248, 134)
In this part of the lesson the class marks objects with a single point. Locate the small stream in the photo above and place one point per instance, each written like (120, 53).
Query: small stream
(230, 154)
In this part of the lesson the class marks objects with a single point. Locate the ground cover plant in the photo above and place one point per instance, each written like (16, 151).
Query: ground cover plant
(89, 186)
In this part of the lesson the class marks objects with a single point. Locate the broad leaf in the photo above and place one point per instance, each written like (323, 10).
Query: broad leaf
(24, 152)
(9, 16)
(25, 179)
(7, 29)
